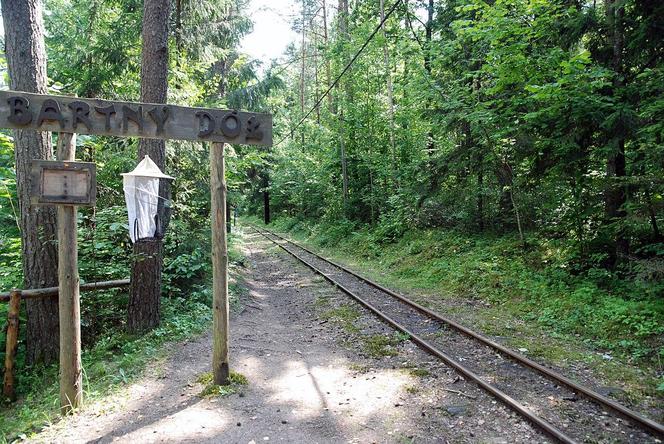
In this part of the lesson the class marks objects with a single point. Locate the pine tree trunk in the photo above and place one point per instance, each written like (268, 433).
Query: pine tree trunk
(26, 60)
(145, 291)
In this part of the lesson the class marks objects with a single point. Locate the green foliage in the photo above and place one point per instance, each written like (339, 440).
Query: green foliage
(10, 259)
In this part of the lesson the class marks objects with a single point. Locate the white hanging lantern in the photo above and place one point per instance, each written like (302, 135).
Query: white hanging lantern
(141, 188)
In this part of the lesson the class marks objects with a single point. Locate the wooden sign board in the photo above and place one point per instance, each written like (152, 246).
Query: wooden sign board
(20, 110)
(63, 183)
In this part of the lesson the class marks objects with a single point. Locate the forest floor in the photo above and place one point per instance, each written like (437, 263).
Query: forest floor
(318, 368)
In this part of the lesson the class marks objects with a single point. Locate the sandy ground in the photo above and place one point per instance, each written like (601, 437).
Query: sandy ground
(310, 380)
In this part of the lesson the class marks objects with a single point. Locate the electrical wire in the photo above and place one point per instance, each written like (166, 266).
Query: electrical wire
(336, 80)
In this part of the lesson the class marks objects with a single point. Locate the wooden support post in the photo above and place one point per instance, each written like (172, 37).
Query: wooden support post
(9, 385)
(71, 381)
(220, 313)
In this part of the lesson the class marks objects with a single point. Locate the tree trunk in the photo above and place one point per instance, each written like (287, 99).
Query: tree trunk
(328, 71)
(344, 166)
(266, 198)
(302, 69)
(26, 60)
(657, 237)
(145, 290)
(427, 66)
(343, 34)
(143, 312)
(480, 193)
(615, 195)
(390, 94)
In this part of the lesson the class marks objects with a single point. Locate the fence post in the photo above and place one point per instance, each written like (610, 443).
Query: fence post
(9, 385)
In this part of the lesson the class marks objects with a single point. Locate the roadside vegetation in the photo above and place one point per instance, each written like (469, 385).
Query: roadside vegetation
(112, 358)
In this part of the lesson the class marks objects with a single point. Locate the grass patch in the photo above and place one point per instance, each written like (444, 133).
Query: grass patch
(378, 346)
(359, 368)
(412, 389)
(236, 381)
(419, 372)
(345, 315)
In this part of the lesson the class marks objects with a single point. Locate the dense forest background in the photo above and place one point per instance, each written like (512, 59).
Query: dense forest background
(512, 150)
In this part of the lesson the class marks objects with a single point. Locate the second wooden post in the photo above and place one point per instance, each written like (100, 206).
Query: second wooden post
(220, 311)
(71, 381)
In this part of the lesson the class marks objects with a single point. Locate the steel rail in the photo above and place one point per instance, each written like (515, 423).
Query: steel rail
(496, 392)
(587, 392)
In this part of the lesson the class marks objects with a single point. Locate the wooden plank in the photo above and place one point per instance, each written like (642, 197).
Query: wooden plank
(21, 110)
(71, 377)
(37, 293)
(220, 314)
(11, 346)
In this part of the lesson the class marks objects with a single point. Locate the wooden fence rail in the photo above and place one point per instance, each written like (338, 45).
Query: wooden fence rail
(14, 298)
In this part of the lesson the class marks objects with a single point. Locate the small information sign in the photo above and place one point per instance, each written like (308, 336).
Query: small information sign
(63, 183)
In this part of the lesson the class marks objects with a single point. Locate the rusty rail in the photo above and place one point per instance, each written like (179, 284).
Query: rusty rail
(11, 346)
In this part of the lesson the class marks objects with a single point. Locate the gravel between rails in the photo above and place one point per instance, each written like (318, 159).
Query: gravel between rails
(578, 417)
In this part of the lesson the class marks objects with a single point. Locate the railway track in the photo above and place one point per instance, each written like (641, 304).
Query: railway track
(560, 407)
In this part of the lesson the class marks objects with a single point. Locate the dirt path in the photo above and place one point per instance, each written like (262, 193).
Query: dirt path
(320, 370)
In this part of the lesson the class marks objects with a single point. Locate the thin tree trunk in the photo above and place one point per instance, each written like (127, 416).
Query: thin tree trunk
(26, 61)
(145, 293)
(390, 94)
(328, 75)
(266, 198)
(615, 194)
(344, 163)
(302, 68)
(480, 193)
(343, 34)
(427, 66)
(316, 89)
(653, 217)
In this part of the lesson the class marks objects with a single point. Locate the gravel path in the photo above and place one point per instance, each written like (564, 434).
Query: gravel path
(312, 379)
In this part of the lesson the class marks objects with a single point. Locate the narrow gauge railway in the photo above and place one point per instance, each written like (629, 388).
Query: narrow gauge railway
(560, 407)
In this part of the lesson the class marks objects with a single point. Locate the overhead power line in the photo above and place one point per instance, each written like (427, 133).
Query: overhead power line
(336, 80)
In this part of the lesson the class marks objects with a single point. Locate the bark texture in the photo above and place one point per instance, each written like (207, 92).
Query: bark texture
(26, 60)
(145, 292)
